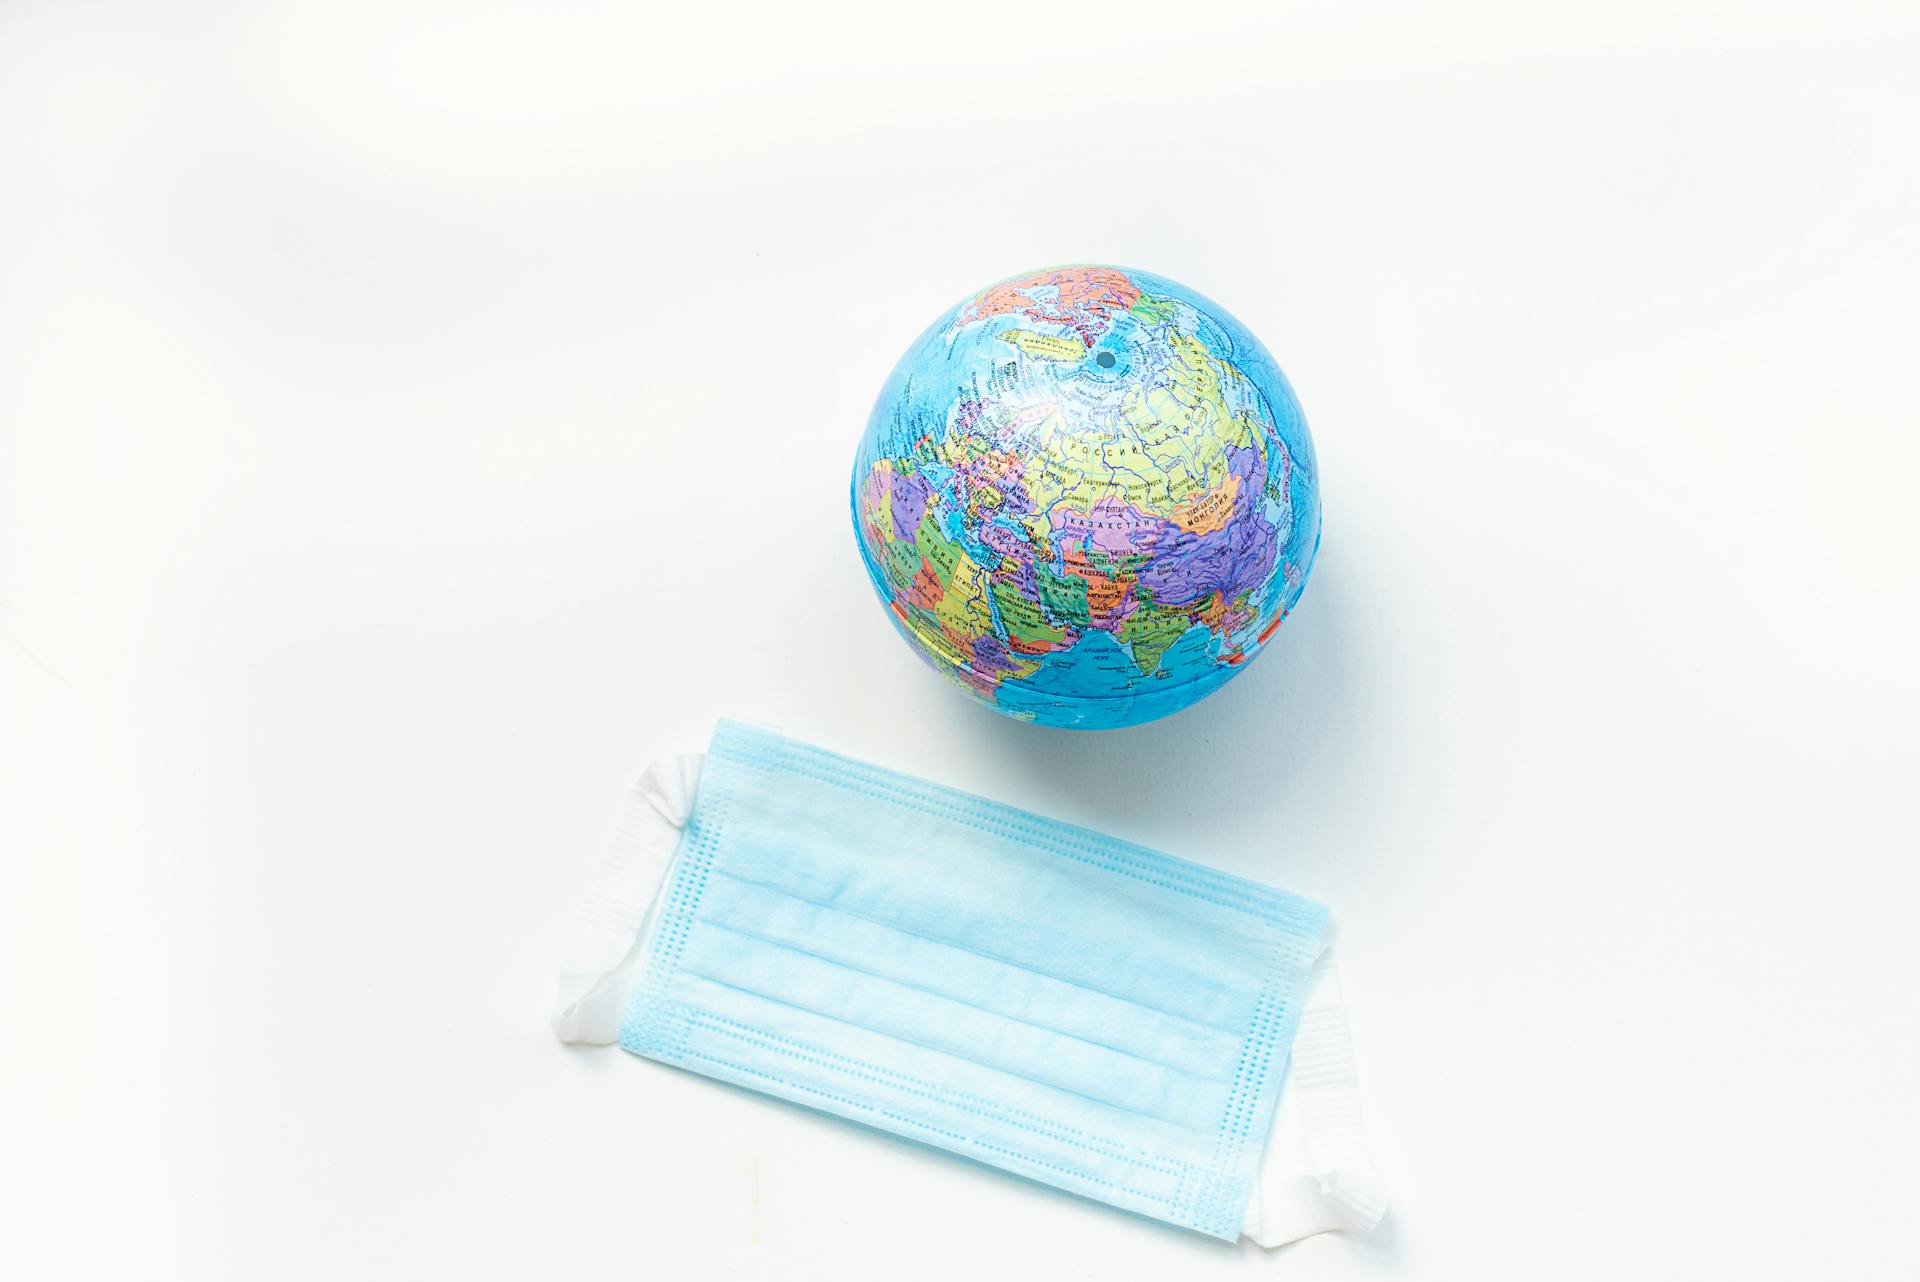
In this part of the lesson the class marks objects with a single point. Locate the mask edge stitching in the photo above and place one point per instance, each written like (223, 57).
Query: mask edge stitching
(1016, 1119)
(1013, 1154)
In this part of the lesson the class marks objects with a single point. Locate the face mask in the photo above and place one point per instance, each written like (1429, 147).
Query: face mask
(1083, 1012)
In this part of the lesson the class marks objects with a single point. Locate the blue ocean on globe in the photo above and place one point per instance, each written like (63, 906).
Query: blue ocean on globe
(1087, 496)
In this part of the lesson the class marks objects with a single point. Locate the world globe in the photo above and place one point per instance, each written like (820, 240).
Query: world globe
(1087, 496)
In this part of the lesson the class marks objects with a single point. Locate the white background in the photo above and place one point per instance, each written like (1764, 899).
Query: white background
(414, 418)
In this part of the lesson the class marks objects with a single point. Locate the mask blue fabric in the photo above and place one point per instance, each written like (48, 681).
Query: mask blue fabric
(1083, 1012)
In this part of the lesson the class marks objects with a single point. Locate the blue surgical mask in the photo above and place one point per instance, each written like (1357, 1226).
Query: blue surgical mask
(1083, 1012)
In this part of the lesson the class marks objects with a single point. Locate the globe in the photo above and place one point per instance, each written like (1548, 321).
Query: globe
(1087, 496)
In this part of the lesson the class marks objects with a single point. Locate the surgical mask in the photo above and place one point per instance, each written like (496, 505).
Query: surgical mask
(1074, 1009)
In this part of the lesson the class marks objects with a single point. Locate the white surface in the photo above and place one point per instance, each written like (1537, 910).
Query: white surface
(412, 419)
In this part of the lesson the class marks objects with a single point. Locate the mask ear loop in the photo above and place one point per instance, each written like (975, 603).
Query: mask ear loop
(618, 917)
(1320, 1113)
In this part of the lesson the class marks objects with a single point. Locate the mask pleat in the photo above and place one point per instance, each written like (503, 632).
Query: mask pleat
(952, 969)
(928, 1020)
(813, 1041)
(996, 1127)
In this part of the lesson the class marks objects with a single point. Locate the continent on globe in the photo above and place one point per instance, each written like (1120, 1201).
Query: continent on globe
(1088, 496)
